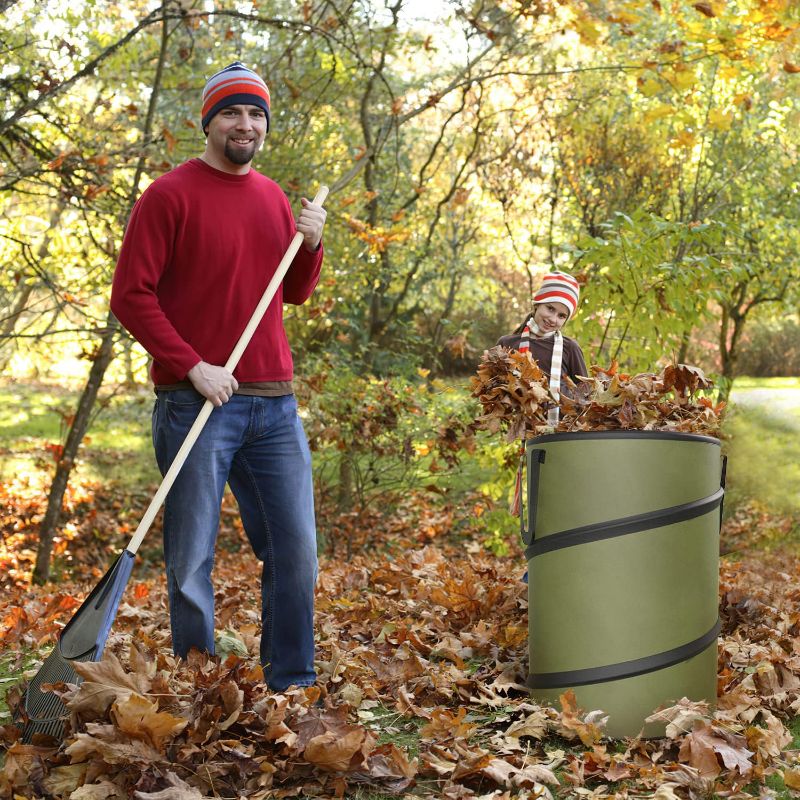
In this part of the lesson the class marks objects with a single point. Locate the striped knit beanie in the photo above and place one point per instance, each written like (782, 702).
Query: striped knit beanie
(559, 287)
(234, 85)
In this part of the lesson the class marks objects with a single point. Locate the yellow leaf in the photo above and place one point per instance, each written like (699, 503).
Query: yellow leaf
(659, 112)
(720, 120)
(683, 139)
(791, 777)
(649, 87)
(587, 30)
(623, 17)
(423, 373)
(683, 78)
(697, 32)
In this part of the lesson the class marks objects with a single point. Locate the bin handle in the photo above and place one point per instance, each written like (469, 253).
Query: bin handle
(722, 478)
(536, 459)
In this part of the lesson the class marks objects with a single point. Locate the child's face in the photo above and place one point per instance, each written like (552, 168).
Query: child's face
(550, 317)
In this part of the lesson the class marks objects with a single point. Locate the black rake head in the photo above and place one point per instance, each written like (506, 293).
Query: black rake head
(83, 639)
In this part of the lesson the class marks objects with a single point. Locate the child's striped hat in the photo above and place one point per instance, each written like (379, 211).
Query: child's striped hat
(559, 287)
(234, 85)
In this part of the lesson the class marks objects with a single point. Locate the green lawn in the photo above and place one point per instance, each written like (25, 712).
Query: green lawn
(763, 443)
(117, 447)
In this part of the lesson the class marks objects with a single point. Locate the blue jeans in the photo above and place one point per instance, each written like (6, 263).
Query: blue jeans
(258, 446)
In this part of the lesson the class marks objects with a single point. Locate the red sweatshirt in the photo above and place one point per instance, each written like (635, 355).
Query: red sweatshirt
(200, 248)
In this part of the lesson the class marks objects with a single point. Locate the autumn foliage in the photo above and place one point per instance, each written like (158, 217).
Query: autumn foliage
(422, 657)
(514, 394)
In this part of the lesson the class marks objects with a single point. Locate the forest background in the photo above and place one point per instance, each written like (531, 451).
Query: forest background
(650, 147)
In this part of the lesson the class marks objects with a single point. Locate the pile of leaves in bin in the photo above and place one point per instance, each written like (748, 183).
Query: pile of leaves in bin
(515, 395)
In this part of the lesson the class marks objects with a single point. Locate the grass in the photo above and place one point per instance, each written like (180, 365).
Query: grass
(13, 667)
(745, 383)
(116, 449)
(775, 782)
(763, 444)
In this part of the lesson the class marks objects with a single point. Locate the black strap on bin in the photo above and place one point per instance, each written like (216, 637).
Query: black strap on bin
(637, 523)
(528, 531)
(722, 479)
(625, 669)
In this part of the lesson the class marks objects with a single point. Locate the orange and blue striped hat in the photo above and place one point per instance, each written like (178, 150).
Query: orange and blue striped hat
(234, 85)
(559, 287)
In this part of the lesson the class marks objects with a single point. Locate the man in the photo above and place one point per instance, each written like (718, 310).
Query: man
(200, 248)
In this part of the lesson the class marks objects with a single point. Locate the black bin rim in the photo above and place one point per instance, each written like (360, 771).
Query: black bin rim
(622, 434)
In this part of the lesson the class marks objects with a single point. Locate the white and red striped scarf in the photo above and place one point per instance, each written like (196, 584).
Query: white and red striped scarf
(532, 329)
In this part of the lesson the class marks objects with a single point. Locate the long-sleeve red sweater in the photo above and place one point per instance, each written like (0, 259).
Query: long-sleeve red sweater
(200, 248)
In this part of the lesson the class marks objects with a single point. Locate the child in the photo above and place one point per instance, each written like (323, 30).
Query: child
(557, 355)
(540, 334)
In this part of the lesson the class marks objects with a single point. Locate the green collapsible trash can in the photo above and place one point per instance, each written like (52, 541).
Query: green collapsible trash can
(623, 561)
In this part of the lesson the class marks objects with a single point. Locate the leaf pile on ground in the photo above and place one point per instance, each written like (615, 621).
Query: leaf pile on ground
(515, 396)
(422, 657)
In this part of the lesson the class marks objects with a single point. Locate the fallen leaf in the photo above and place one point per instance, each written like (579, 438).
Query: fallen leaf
(140, 718)
(335, 753)
(177, 789)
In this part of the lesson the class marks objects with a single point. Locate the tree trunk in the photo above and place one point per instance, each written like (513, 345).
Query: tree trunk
(127, 351)
(683, 352)
(77, 431)
(105, 355)
(344, 496)
(732, 323)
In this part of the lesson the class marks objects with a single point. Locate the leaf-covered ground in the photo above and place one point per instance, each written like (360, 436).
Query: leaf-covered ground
(422, 648)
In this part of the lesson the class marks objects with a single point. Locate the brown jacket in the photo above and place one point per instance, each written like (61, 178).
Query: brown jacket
(572, 361)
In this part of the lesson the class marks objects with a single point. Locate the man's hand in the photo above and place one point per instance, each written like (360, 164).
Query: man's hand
(214, 383)
(310, 223)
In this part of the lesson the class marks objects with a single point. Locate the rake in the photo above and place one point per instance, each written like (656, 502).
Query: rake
(84, 637)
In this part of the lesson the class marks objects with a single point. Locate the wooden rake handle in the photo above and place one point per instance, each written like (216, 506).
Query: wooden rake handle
(208, 406)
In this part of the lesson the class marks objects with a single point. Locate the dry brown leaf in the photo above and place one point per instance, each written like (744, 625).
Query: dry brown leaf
(104, 682)
(791, 777)
(574, 723)
(445, 724)
(177, 789)
(388, 762)
(140, 718)
(64, 780)
(533, 725)
(336, 753)
(101, 790)
(703, 743)
(112, 746)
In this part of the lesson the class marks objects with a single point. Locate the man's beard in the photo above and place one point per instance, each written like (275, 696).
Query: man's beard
(239, 155)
